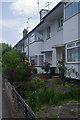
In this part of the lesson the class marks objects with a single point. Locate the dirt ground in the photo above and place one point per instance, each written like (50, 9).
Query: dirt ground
(68, 110)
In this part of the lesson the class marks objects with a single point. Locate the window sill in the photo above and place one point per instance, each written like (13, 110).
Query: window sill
(48, 38)
(36, 66)
(60, 28)
(36, 41)
(72, 63)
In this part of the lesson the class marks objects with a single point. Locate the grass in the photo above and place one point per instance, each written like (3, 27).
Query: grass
(54, 115)
(36, 94)
(56, 82)
(50, 96)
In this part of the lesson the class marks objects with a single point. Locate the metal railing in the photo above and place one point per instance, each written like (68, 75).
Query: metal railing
(29, 114)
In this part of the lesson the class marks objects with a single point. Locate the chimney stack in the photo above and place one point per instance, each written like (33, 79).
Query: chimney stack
(25, 32)
(43, 12)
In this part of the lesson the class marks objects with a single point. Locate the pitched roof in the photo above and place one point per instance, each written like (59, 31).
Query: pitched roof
(42, 21)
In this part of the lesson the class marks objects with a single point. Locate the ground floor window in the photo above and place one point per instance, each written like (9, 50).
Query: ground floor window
(73, 53)
(40, 60)
(36, 60)
(32, 60)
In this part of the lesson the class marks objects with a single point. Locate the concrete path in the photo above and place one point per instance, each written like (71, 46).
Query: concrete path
(9, 108)
(6, 107)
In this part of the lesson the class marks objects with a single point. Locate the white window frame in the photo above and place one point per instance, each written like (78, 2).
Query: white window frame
(48, 32)
(60, 25)
(72, 47)
(65, 6)
(38, 63)
(39, 59)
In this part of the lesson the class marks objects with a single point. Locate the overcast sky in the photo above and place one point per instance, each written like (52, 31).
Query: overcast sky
(14, 17)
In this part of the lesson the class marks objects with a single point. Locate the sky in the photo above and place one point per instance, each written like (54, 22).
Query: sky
(14, 15)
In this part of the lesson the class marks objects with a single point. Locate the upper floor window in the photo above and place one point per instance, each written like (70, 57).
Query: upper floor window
(35, 35)
(48, 32)
(38, 36)
(71, 9)
(60, 22)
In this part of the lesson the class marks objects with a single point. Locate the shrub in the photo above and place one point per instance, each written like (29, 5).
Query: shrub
(10, 59)
(21, 88)
(69, 85)
(62, 68)
(56, 97)
(34, 101)
(5, 48)
(23, 71)
(15, 69)
(46, 66)
(36, 83)
(68, 71)
(72, 94)
(44, 95)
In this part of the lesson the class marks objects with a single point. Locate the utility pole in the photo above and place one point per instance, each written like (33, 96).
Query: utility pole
(28, 35)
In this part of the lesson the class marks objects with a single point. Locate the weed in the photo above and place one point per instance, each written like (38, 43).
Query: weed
(56, 82)
(71, 112)
(54, 115)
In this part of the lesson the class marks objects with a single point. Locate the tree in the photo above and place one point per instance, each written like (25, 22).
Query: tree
(15, 68)
(10, 60)
(5, 48)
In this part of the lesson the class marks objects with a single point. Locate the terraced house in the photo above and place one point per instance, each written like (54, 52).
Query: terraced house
(56, 37)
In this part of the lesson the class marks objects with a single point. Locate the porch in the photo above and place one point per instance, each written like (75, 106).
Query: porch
(59, 54)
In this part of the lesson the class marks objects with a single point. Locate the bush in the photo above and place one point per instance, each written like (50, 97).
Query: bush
(44, 95)
(36, 83)
(21, 88)
(23, 71)
(72, 94)
(56, 98)
(46, 66)
(33, 101)
(14, 68)
(5, 48)
(11, 59)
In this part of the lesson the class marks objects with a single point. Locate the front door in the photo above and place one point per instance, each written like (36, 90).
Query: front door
(60, 56)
